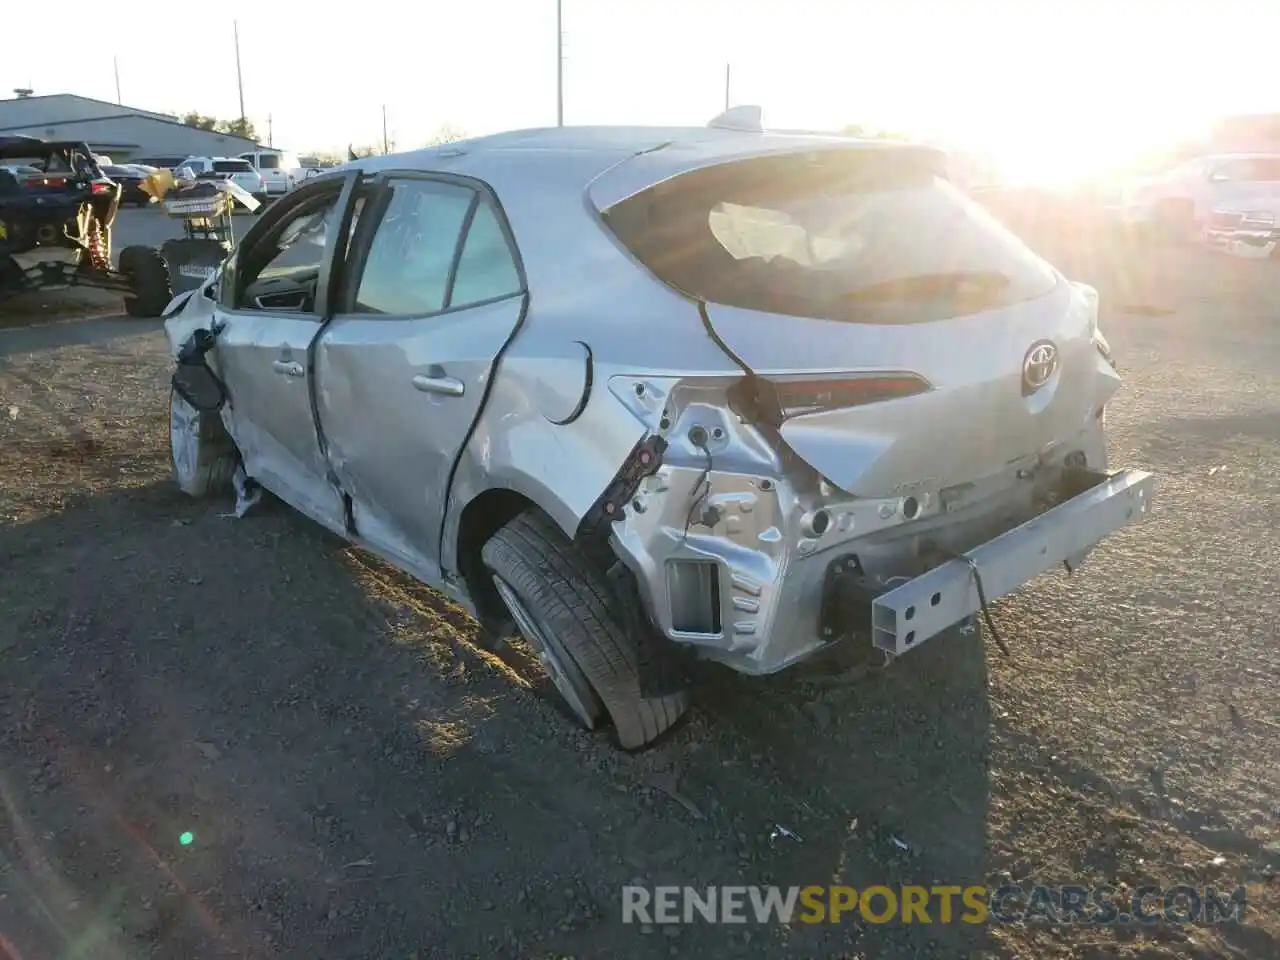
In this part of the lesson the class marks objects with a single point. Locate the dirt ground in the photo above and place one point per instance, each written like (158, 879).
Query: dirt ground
(361, 781)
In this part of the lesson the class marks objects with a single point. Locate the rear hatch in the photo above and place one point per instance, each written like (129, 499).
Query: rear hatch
(902, 336)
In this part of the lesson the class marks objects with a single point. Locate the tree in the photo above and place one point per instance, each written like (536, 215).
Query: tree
(235, 128)
(199, 121)
(446, 134)
(240, 127)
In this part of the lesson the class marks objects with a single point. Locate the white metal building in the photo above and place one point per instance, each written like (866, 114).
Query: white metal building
(110, 128)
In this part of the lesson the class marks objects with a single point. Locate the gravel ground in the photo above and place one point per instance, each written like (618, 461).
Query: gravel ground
(363, 782)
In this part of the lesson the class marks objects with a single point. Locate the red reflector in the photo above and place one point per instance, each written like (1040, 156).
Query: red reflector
(810, 396)
(47, 182)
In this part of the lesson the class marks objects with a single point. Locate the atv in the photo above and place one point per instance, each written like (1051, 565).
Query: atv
(56, 212)
(205, 206)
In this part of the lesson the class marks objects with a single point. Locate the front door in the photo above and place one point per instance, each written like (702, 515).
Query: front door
(433, 293)
(272, 305)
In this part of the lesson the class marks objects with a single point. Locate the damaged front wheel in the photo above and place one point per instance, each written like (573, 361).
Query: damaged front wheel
(201, 451)
(560, 603)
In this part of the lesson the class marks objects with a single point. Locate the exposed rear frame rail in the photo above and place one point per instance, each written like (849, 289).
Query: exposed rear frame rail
(906, 616)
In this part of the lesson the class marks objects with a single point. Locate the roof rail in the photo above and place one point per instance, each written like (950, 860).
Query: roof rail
(747, 118)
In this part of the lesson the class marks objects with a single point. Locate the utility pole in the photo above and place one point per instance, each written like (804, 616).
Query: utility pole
(727, 68)
(559, 63)
(116, 62)
(270, 132)
(239, 76)
(385, 144)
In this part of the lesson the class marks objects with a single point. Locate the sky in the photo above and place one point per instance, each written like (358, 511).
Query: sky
(1054, 88)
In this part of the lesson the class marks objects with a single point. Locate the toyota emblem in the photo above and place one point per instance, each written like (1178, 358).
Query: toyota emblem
(1038, 366)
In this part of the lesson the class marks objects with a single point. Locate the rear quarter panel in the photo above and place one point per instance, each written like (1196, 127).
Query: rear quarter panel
(586, 293)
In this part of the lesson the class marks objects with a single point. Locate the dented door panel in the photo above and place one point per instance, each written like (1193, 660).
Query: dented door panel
(262, 359)
(397, 398)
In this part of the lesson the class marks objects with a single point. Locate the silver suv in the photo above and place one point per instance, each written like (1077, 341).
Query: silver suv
(653, 396)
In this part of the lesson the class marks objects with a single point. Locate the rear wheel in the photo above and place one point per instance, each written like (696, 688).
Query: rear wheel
(149, 278)
(201, 452)
(560, 603)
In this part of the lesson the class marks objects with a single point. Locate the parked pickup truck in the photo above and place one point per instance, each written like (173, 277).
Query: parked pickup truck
(281, 171)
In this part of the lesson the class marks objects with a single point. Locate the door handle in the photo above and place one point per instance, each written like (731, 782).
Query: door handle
(287, 368)
(447, 386)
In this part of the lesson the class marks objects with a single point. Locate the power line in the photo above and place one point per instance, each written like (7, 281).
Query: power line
(559, 63)
(239, 76)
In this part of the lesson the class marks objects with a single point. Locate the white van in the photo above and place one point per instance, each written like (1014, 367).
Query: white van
(279, 169)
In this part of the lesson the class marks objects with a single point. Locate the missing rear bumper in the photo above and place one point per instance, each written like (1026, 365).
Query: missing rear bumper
(907, 615)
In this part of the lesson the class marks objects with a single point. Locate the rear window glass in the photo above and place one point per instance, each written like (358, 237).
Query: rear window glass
(232, 166)
(268, 161)
(874, 236)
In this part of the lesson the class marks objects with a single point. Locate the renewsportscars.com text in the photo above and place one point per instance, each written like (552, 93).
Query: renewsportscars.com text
(935, 904)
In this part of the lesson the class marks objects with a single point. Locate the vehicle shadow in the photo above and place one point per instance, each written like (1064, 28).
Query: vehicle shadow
(358, 777)
(240, 737)
(882, 777)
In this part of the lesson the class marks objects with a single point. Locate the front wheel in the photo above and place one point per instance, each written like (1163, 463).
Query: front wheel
(560, 603)
(201, 451)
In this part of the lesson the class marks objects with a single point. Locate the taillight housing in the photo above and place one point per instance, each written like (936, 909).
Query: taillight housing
(782, 399)
(47, 182)
(100, 186)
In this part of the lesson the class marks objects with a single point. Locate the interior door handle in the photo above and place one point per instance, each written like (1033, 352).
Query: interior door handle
(288, 368)
(447, 386)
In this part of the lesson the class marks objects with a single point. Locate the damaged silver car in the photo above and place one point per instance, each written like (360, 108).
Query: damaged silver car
(657, 396)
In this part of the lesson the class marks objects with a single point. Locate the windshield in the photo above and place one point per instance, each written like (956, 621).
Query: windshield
(232, 166)
(865, 236)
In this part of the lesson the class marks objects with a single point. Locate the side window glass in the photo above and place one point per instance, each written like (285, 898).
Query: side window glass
(406, 272)
(287, 280)
(486, 270)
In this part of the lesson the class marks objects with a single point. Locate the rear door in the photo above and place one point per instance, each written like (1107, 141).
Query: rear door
(273, 299)
(433, 292)
(894, 320)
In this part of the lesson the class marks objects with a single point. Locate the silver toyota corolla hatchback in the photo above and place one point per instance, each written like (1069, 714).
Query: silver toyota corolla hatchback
(651, 396)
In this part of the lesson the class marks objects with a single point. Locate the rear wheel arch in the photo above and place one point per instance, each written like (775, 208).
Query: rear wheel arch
(482, 517)
(487, 505)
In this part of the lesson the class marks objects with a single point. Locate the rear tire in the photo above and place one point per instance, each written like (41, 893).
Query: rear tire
(561, 603)
(201, 452)
(149, 277)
